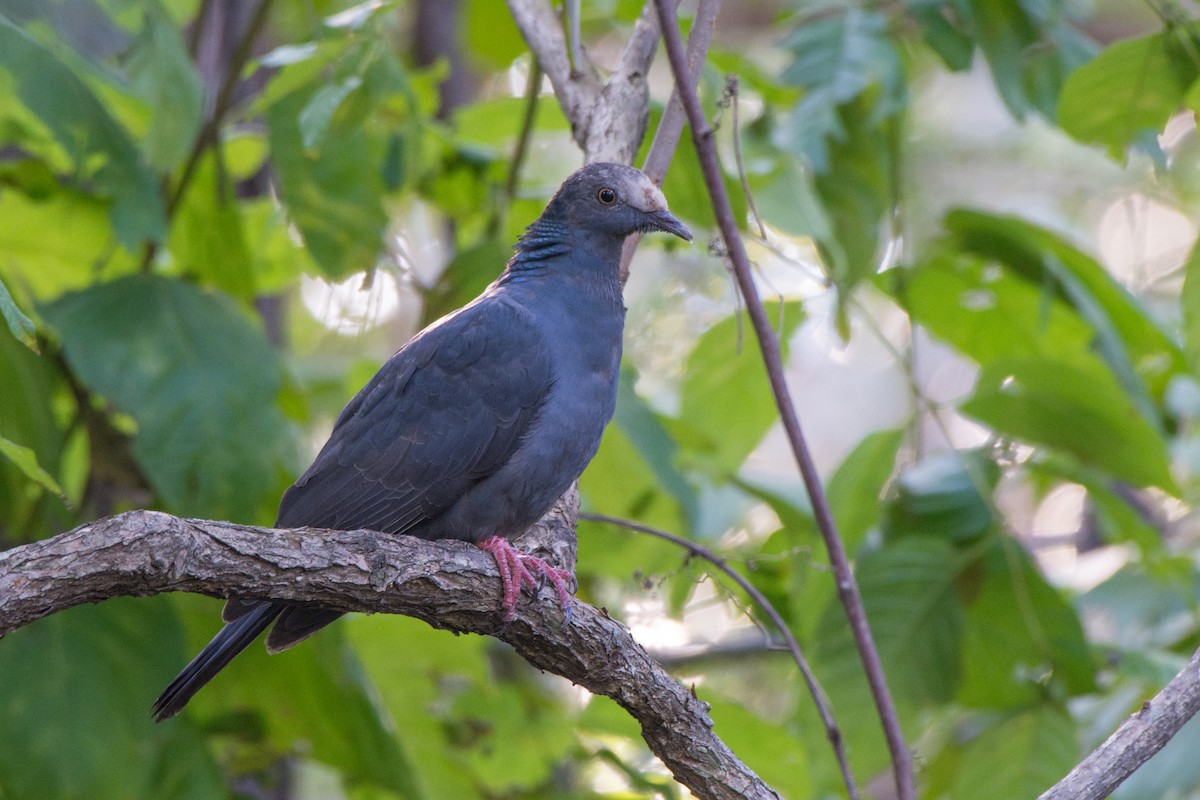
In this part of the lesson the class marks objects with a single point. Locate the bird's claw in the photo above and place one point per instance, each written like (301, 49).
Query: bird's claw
(517, 568)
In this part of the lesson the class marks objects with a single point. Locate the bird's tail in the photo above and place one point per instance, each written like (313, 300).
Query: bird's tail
(235, 637)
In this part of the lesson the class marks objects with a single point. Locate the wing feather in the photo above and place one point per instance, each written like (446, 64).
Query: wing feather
(448, 410)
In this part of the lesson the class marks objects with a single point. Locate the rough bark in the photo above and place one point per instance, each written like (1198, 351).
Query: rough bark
(608, 118)
(448, 584)
(1138, 738)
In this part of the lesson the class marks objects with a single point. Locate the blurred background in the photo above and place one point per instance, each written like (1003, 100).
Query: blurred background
(974, 223)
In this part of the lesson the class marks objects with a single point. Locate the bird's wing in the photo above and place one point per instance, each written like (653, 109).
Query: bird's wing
(446, 411)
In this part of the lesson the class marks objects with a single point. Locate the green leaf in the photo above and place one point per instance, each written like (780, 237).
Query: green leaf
(1074, 407)
(315, 700)
(858, 191)
(915, 616)
(788, 195)
(494, 124)
(1140, 610)
(244, 153)
(317, 115)
(726, 401)
(1189, 302)
(511, 737)
(619, 482)
(1006, 35)
(1062, 49)
(1132, 87)
(29, 415)
(908, 589)
(944, 34)
(49, 265)
(74, 710)
(1136, 349)
(275, 257)
(646, 432)
(100, 148)
(333, 121)
(334, 195)
(200, 381)
(855, 490)
(771, 749)
(491, 34)
(415, 691)
(207, 238)
(1020, 636)
(946, 495)
(836, 58)
(165, 79)
(21, 326)
(1021, 757)
(845, 128)
(466, 276)
(26, 461)
(984, 312)
(752, 75)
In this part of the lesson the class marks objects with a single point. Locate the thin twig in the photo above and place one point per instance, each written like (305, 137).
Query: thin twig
(731, 91)
(670, 126)
(533, 89)
(211, 128)
(576, 89)
(814, 687)
(571, 17)
(769, 344)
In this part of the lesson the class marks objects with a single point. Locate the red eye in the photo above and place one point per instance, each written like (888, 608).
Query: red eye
(606, 196)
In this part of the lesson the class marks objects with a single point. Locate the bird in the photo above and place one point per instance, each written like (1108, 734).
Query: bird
(479, 423)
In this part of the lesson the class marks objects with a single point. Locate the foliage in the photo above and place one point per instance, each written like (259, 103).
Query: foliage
(172, 282)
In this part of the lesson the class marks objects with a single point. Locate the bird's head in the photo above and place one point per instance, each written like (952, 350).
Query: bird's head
(614, 200)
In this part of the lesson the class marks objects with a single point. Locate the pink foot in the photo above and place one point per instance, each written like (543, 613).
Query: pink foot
(517, 568)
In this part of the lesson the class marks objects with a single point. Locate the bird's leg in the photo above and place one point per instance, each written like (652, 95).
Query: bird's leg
(517, 568)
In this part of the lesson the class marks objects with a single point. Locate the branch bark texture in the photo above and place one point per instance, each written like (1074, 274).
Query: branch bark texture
(1138, 738)
(608, 118)
(448, 584)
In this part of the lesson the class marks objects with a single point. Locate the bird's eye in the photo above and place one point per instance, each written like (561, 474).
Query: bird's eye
(606, 196)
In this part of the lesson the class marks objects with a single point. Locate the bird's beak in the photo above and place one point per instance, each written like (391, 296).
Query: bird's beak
(663, 220)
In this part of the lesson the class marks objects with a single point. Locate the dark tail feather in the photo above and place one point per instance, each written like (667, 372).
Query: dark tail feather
(231, 640)
(296, 624)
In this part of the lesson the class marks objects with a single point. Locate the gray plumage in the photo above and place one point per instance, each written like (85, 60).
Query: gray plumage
(481, 421)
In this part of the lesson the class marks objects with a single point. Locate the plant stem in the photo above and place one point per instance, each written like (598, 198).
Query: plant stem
(769, 344)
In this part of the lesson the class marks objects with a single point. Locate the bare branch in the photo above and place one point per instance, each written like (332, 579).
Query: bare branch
(607, 119)
(448, 584)
(666, 138)
(576, 89)
(670, 127)
(769, 344)
(1139, 737)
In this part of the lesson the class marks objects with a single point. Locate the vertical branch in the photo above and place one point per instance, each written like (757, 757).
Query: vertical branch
(575, 88)
(769, 344)
(666, 138)
(670, 127)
